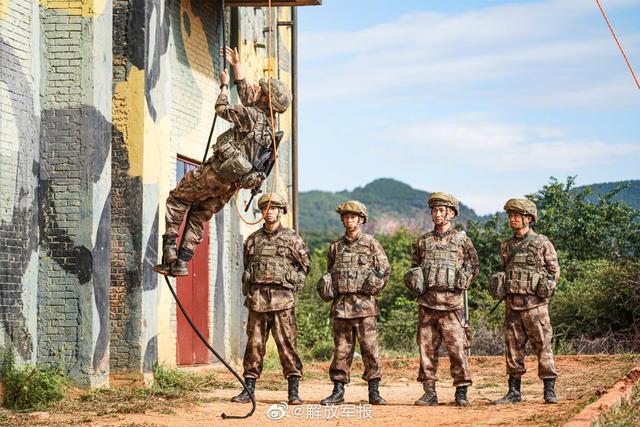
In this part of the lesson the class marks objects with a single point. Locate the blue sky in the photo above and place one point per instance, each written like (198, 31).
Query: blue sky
(482, 99)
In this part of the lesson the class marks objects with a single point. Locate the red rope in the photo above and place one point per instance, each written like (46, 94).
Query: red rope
(618, 43)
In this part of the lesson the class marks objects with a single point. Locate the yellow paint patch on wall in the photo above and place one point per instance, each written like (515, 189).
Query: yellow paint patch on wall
(156, 138)
(128, 115)
(76, 8)
(4, 7)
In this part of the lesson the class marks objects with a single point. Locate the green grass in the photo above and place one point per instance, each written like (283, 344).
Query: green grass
(625, 414)
(31, 387)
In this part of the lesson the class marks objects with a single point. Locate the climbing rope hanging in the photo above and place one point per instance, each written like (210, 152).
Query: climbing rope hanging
(618, 43)
(166, 278)
(273, 134)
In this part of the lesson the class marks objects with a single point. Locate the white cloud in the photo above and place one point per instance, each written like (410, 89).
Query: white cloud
(542, 44)
(484, 143)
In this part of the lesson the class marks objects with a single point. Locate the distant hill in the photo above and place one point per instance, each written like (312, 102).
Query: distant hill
(391, 204)
(630, 192)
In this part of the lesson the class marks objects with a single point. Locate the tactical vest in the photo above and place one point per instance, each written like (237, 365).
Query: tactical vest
(352, 266)
(523, 268)
(442, 266)
(233, 155)
(270, 264)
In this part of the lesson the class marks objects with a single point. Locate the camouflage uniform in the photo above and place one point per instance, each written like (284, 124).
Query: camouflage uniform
(442, 259)
(204, 187)
(527, 315)
(354, 308)
(530, 272)
(276, 265)
(358, 270)
(208, 188)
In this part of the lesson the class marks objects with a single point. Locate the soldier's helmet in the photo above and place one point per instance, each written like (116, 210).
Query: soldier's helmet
(522, 206)
(277, 201)
(354, 207)
(280, 94)
(444, 199)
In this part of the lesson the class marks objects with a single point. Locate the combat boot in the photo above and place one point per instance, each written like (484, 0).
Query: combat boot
(374, 393)
(181, 266)
(337, 395)
(244, 396)
(461, 396)
(429, 398)
(294, 398)
(549, 392)
(513, 395)
(169, 254)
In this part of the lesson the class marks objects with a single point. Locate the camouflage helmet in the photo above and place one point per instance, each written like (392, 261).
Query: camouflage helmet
(522, 206)
(444, 199)
(277, 201)
(280, 94)
(354, 207)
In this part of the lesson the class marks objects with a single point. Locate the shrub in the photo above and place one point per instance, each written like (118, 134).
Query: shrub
(31, 387)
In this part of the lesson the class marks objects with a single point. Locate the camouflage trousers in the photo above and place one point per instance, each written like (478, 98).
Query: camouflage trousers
(282, 324)
(206, 193)
(531, 325)
(345, 332)
(435, 326)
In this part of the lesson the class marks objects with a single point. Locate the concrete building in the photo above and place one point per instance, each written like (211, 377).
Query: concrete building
(103, 107)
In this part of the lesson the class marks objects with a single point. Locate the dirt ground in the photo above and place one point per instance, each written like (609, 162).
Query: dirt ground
(582, 380)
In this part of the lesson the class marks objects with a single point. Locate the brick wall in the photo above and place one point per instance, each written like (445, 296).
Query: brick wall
(126, 208)
(18, 163)
(63, 266)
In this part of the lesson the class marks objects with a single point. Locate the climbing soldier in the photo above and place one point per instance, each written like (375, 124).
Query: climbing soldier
(207, 189)
(528, 280)
(276, 263)
(358, 271)
(444, 263)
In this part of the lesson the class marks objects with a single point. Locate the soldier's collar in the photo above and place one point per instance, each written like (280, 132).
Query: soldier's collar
(348, 240)
(274, 231)
(439, 235)
(521, 238)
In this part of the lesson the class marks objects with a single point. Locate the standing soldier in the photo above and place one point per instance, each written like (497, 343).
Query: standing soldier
(358, 271)
(444, 264)
(276, 263)
(530, 271)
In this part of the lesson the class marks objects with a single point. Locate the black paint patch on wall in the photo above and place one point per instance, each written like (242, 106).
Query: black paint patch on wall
(19, 236)
(73, 157)
(125, 293)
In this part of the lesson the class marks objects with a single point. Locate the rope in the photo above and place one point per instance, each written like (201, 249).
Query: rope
(215, 353)
(618, 43)
(273, 135)
(166, 278)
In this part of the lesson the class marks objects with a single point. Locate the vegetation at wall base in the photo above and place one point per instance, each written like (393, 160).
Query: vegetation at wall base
(30, 387)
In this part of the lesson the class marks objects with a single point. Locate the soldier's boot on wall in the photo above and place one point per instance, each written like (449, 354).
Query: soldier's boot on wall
(461, 396)
(336, 397)
(513, 395)
(294, 397)
(374, 393)
(549, 392)
(169, 254)
(244, 396)
(429, 398)
(181, 266)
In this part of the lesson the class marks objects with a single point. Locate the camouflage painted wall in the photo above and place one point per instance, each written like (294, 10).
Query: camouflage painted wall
(56, 171)
(97, 100)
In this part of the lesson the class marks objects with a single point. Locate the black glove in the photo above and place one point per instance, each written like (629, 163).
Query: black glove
(252, 180)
